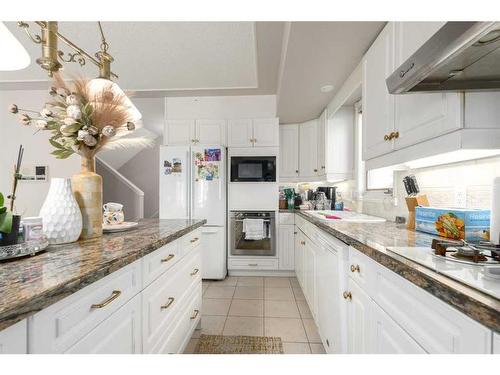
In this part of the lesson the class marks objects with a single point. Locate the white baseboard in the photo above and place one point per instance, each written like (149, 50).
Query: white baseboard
(276, 273)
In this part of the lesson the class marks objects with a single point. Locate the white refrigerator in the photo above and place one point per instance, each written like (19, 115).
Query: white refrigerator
(193, 186)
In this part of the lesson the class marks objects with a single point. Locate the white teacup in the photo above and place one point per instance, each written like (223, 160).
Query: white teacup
(112, 207)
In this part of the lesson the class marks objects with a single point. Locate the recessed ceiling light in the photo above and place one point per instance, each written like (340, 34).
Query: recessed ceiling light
(326, 88)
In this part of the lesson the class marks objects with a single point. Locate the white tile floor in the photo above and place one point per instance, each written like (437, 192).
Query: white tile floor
(259, 306)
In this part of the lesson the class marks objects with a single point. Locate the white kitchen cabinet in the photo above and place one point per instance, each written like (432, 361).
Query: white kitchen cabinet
(309, 288)
(179, 132)
(289, 152)
(253, 133)
(14, 339)
(210, 132)
(286, 245)
(359, 327)
(60, 326)
(266, 132)
(329, 299)
(119, 334)
(193, 132)
(322, 139)
(389, 337)
(496, 343)
(378, 104)
(308, 150)
(422, 116)
(299, 250)
(340, 150)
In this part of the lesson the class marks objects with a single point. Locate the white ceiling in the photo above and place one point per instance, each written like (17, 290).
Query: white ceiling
(318, 54)
(217, 58)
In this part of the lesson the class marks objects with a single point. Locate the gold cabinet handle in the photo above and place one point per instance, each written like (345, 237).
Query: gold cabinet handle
(169, 258)
(347, 295)
(315, 170)
(194, 239)
(167, 305)
(296, 171)
(196, 312)
(396, 135)
(114, 295)
(302, 242)
(355, 268)
(252, 264)
(386, 137)
(195, 271)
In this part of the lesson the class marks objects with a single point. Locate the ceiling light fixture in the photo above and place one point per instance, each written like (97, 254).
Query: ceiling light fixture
(51, 54)
(17, 57)
(326, 88)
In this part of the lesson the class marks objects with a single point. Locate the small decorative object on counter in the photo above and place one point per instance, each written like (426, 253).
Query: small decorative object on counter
(113, 214)
(85, 117)
(61, 216)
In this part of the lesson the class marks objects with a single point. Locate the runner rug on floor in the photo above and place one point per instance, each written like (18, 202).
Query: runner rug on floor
(217, 344)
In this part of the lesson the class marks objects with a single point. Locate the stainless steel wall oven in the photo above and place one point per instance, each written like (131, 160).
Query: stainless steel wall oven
(244, 244)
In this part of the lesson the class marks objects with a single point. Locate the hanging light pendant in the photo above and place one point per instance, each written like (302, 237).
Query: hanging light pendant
(14, 56)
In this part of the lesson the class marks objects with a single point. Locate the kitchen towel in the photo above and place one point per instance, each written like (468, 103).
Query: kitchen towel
(495, 212)
(253, 229)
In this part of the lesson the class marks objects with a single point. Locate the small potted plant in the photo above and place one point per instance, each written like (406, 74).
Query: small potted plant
(9, 225)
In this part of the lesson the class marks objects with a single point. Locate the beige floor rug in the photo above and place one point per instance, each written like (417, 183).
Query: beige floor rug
(217, 344)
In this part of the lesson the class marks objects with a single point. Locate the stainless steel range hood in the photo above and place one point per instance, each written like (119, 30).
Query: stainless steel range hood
(461, 56)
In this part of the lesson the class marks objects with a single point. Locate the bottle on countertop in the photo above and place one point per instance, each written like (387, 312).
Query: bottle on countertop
(339, 203)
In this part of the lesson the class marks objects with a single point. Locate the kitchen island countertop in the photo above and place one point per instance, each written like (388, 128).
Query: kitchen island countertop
(30, 284)
(375, 239)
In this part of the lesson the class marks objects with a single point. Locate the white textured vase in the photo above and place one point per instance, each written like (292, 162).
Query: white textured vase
(62, 219)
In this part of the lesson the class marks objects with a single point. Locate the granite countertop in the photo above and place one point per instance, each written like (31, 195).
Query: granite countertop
(374, 239)
(30, 284)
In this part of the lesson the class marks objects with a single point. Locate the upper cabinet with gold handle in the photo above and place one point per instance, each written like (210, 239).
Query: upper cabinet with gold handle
(114, 295)
(355, 268)
(347, 295)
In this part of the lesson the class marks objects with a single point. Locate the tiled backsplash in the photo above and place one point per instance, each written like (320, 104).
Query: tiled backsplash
(465, 184)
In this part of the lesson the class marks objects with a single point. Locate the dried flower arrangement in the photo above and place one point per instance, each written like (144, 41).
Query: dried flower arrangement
(84, 118)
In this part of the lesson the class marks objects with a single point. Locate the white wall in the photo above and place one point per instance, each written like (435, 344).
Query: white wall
(221, 107)
(30, 195)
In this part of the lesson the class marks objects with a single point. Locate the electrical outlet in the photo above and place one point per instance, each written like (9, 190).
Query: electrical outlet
(460, 196)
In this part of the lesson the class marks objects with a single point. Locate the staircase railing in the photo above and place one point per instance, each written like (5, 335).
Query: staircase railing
(117, 188)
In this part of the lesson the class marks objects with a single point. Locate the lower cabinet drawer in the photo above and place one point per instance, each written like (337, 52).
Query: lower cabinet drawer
(163, 298)
(436, 326)
(119, 334)
(60, 326)
(362, 270)
(159, 261)
(13, 339)
(190, 241)
(176, 338)
(253, 264)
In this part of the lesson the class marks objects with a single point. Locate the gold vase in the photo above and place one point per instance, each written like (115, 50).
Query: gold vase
(87, 188)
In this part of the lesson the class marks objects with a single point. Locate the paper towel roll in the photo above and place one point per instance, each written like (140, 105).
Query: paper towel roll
(495, 212)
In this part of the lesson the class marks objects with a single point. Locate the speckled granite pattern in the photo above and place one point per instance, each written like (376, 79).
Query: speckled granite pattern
(373, 241)
(29, 285)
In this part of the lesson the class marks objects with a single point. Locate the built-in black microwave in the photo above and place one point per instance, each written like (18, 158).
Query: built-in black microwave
(253, 169)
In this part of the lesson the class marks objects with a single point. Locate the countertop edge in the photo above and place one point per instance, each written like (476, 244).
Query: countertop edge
(474, 304)
(25, 309)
